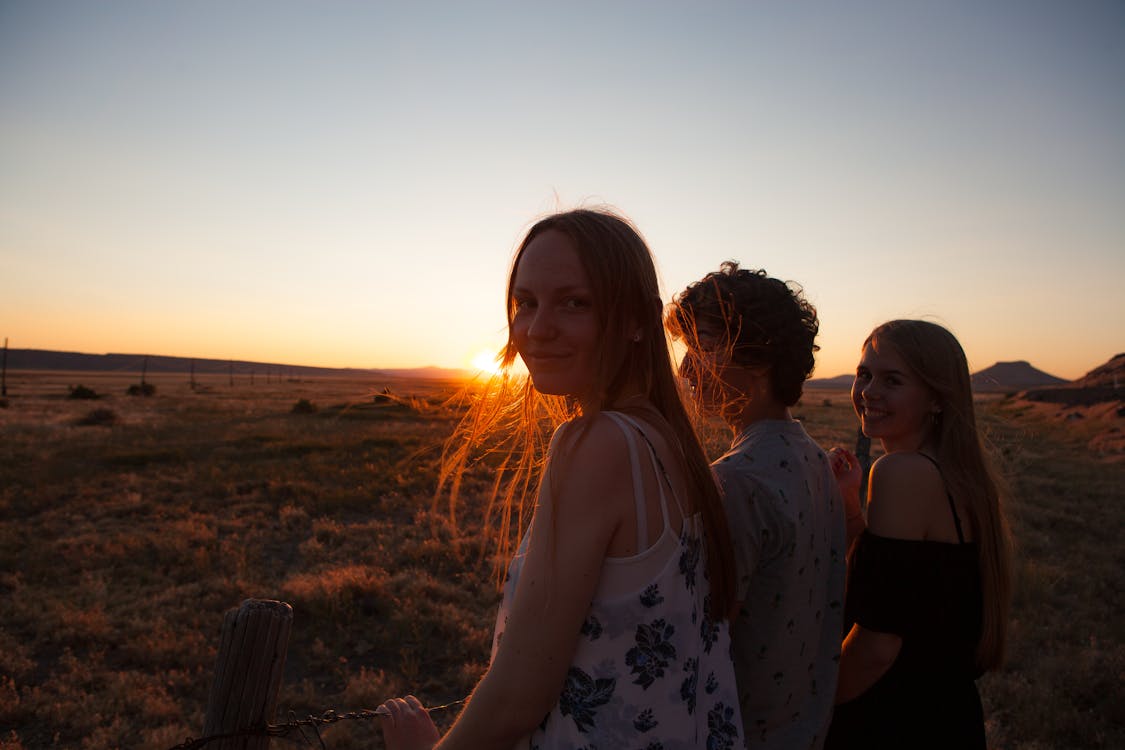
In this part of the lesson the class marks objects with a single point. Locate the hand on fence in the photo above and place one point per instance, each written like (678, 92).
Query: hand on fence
(406, 725)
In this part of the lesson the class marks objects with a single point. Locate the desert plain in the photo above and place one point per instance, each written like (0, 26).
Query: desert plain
(129, 525)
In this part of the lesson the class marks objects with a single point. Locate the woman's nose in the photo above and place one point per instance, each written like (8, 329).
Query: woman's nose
(542, 324)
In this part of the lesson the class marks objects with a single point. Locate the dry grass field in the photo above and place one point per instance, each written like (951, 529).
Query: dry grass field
(126, 534)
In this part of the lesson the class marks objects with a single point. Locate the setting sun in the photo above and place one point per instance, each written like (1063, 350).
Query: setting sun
(486, 361)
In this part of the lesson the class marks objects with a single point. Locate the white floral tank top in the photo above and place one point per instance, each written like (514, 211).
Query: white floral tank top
(652, 670)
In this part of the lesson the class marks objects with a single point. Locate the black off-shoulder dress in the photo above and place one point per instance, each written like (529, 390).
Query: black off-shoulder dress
(928, 593)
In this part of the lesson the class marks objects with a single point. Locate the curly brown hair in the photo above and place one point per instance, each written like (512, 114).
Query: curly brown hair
(765, 322)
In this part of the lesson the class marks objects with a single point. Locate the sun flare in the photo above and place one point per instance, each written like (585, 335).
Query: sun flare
(485, 361)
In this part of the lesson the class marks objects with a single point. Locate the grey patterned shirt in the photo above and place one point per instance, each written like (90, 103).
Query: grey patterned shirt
(787, 521)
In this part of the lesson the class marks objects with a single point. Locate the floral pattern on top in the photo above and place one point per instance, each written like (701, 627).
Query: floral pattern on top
(651, 670)
(582, 695)
(650, 597)
(645, 721)
(689, 561)
(653, 652)
(722, 727)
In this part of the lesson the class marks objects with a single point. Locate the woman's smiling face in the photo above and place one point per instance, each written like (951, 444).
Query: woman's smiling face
(555, 323)
(892, 402)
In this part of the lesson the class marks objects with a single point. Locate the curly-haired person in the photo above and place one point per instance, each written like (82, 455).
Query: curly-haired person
(750, 346)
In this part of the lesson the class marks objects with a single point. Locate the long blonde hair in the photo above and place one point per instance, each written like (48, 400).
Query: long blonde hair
(936, 357)
(512, 422)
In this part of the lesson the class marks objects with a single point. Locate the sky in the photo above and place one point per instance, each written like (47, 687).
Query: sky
(343, 184)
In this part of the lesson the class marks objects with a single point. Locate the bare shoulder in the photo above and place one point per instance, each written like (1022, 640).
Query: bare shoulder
(588, 439)
(587, 457)
(904, 489)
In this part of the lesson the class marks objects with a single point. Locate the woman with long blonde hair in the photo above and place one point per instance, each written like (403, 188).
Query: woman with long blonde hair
(929, 580)
(612, 630)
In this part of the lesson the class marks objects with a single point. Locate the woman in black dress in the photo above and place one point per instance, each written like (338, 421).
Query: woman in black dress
(929, 578)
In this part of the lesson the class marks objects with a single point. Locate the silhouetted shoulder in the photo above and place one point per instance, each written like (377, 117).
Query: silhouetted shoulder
(904, 488)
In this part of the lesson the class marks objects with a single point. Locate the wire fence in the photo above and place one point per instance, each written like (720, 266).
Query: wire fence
(299, 730)
(247, 679)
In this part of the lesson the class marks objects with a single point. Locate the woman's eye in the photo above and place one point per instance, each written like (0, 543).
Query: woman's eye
(521, 303)
(576, 303)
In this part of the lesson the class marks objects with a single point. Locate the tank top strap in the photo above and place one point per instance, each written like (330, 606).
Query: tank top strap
(635, 466)
(948, 496)
(624, 421)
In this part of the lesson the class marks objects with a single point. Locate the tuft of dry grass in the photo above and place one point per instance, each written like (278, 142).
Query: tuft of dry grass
(121, 548)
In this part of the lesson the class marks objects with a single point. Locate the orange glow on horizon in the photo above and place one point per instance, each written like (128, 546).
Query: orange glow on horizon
(487, 362)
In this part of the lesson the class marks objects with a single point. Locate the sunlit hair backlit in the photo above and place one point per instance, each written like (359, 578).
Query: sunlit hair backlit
(509, 423)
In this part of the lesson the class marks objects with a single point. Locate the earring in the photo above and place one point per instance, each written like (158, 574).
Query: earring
(637, 337)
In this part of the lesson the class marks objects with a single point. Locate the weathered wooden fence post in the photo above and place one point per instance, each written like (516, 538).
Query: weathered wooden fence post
(248, 672)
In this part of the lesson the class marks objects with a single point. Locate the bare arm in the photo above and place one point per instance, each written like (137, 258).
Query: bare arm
(570, 534)
(848, 473)
(867, 655)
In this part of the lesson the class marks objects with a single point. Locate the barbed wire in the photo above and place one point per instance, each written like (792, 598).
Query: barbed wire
(298, 727)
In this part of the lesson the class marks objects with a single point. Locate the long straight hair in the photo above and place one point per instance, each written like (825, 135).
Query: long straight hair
(513, 421)
(936, 357)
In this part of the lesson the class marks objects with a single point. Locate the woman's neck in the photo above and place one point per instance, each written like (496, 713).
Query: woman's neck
(632, 401)
(913, 444)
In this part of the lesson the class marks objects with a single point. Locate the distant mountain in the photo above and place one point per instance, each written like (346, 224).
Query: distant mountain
(44, 359)
(1000, 378)
(1101, 385)
(424, 373)
(840, 382)
(1111, 374)
(1012, 376)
